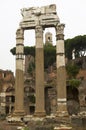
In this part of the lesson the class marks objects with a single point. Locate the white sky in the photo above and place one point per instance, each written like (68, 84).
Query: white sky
(70, 12)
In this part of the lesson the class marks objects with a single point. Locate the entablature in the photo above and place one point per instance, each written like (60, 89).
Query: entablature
(45, 16)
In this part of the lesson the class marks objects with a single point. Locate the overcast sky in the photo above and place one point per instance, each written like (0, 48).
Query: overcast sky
(70, 12)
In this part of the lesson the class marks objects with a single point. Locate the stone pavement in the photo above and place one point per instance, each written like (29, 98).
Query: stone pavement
(4, 125)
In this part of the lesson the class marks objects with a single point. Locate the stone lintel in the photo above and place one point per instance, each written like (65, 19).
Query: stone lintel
(45, 24)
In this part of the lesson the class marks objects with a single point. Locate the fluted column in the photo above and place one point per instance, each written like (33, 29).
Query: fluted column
(40, 105)
(19, 81)
(61, 73)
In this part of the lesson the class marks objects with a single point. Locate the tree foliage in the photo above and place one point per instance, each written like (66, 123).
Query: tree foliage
(13, 50)
(49, 54)
(72, 70)
(27, 50)
(74, 83)
(78, 44)
(49, 57)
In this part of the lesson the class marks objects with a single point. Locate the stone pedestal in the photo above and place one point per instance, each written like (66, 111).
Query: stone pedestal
(61, 73)
(39, 109)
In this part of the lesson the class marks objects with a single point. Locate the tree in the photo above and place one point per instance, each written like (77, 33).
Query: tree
(27, 50)
(72, 70)
(78, 44)
(49, 53)
(13, 50)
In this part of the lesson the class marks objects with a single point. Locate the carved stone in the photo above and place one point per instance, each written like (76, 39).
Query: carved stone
(60, 29)
(61, 72)
(39, 32)
(60, 32)
(19, 33)
(46, 15)
(60, 37)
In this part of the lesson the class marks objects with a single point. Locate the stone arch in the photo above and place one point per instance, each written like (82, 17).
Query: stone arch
(10, 89)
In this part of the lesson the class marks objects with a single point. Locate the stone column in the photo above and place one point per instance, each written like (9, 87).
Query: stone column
(19, 81)
(40, 105)
(61, 73)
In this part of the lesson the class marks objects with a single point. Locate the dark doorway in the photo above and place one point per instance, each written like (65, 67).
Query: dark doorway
(73, 100)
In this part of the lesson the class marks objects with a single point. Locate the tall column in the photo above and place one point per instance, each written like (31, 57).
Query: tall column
(19, 81)
(40, 105)
(61, 73)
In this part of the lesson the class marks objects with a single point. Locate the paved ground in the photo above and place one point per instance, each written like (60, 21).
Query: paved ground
(4, 125)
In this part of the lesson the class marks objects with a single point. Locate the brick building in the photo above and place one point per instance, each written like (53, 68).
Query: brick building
(7, 97)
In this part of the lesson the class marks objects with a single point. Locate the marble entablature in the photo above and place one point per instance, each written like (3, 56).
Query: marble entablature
(45, 16)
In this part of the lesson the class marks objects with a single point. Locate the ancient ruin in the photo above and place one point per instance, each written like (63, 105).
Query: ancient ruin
(38, 19)
(7, 92)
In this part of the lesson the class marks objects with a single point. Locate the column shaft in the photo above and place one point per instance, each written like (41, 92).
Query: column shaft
(40, 105)
(61, 72)
(19, 81)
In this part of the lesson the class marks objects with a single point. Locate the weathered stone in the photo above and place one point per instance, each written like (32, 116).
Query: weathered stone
(47, 16)
(43, 127)
(63, 128)
(61, 72)
(39, 19)
(19, 82)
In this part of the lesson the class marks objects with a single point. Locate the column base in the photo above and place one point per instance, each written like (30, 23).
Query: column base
(62, 114)
(62, 108)
(39, 114)
(19, 113)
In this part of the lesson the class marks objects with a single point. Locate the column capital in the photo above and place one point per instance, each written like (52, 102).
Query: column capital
(60, 31)
(39, 31)
(20, 33)
(19, 36)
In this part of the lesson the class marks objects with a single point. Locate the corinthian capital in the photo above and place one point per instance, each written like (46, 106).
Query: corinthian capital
(60, 32)
(60, 29)
(20, 33)
(39, 31)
